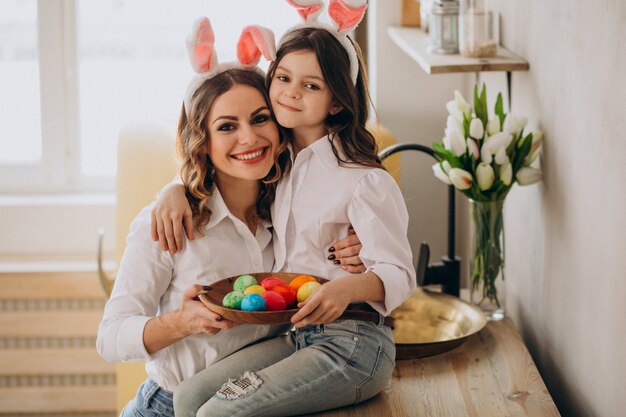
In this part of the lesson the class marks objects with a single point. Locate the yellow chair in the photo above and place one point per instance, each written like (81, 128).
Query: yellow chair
(146, 161)
(384, 139)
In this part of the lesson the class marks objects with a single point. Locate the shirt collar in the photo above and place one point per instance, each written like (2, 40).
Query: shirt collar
(323, 150)
(219, 211)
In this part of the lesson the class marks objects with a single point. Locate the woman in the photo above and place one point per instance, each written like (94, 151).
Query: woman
(227, 143)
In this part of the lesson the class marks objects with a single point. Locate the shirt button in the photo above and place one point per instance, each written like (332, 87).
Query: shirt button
(355, 338)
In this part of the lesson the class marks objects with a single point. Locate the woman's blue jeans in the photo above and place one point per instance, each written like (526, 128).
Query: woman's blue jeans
(151, 401)
(313, 369)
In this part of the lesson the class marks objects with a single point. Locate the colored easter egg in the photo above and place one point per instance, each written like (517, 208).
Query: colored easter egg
(301, 279)
(270, 282)
(233, 300)
(307, 289)
(254, 289)
(274, 301)
(243, 282)
(253, 302)
(288, 293)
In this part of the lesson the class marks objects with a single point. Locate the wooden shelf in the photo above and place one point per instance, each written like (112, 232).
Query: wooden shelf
(414, 42)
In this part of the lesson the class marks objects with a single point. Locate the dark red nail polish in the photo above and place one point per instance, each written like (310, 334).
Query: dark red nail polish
(331, 256)
(331, 249)
(336, 261)
(206, 287)
(218, 318)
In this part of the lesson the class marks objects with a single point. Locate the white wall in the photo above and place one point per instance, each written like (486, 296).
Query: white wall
(566, 237)
(411, 104)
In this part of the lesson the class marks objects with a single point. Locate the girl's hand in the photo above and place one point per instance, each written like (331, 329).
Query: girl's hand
(325, 305)
(195, 318)
(345, 252)
(170, 215)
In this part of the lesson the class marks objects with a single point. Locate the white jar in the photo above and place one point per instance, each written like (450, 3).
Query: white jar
(477, 36)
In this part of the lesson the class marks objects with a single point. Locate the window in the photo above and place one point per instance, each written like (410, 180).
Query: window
(20, 116)
(72, 73)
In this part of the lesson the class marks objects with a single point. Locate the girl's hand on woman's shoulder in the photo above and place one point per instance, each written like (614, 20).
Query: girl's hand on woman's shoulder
(170, 216)
(196, 318)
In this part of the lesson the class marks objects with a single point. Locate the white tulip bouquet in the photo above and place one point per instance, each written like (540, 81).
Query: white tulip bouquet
(482, 156)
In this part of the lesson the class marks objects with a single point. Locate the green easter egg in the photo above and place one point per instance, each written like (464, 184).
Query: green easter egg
(243, 282)
(233, 300)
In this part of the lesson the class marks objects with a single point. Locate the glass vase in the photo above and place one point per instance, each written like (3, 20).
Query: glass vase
(477, 37)
(487, 257)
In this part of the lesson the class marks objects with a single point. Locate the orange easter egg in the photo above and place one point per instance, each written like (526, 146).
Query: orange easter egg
(298, 281)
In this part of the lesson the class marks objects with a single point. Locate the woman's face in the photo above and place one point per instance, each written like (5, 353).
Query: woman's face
(243, 138)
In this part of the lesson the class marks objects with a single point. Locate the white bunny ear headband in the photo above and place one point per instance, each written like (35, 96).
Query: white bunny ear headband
(345, 14)
(254, 41)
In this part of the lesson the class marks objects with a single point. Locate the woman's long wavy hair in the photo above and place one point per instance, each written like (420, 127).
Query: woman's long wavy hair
(197, 171)
(348, 125)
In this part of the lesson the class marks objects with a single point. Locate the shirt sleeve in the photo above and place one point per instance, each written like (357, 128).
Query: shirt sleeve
(380, 218)
(144, 275)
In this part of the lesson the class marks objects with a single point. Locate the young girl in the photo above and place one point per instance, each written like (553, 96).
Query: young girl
(342, 352)
(232, 156)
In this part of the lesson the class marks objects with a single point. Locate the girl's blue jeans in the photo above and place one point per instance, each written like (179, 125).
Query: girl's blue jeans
(312, 369)
(151, 401)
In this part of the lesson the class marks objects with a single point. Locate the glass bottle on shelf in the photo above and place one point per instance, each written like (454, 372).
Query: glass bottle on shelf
(443, 27)
(477, 36)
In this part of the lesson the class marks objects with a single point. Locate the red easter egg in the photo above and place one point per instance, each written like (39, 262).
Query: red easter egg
(270, 282)
(288, 293)
(273, 301)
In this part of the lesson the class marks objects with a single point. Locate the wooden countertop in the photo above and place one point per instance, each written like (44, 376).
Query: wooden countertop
(491, 374)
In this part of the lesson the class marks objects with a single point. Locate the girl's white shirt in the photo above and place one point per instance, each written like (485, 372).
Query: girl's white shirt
(151, 282)
(316, 204)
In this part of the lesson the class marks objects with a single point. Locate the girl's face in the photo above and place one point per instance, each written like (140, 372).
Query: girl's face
(300, 97)
(243, 138)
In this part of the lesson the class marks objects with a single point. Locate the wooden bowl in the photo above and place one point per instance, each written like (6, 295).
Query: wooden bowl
(213, 296)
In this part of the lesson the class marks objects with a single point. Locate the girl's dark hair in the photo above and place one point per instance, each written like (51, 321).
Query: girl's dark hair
(348, 125)
(197, 171)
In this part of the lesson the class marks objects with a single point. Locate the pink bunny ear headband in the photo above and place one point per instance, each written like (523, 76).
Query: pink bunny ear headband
(254, 41)
(346, 15)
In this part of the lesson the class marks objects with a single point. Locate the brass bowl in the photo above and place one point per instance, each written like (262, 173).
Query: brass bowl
(429, 323)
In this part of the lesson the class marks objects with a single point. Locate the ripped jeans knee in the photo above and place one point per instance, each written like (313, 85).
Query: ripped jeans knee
(224, 402)
(239, 387)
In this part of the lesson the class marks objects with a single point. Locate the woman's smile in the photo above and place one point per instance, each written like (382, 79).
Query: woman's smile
(252, 156)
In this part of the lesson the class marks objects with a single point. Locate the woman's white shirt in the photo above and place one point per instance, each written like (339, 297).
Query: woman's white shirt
(316, 204)
(151, 282)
